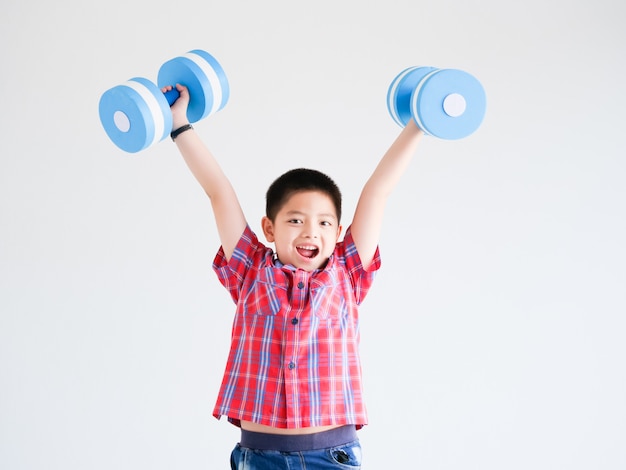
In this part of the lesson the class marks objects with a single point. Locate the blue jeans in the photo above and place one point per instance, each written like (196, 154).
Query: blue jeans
(337, 448)
(346, 456)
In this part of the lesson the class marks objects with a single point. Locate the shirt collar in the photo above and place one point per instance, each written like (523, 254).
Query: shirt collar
(274, 261)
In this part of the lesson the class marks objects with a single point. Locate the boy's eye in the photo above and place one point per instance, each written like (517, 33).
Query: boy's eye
(325, 223)
(294, 221)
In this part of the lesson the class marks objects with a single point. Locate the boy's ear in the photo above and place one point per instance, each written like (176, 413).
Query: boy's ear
(268, 229)
(339, 230)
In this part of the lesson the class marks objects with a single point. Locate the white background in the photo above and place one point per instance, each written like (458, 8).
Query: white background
(493, 337)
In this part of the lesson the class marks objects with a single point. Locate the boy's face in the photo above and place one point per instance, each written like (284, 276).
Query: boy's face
(305, 230)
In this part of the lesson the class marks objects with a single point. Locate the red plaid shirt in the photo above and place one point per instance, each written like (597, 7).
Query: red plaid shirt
(294, 356)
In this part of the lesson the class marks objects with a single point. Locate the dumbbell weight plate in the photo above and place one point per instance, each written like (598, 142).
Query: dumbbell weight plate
(448, 103)
(202, 74)
(400, 91)
(135, 115)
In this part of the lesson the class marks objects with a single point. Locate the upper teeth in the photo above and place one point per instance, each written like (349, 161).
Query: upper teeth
(307, 247)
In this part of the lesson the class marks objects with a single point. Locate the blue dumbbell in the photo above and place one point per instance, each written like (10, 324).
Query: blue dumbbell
(136, 114)
(445, 103)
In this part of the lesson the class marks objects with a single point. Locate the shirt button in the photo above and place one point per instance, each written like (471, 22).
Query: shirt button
(292, 365)
(300, 285)
(294, 321)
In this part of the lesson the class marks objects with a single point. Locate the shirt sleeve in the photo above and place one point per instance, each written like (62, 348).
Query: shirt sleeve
(248, 254)
(360, 278)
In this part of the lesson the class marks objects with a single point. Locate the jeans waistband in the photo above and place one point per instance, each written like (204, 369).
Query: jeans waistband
(298, 442)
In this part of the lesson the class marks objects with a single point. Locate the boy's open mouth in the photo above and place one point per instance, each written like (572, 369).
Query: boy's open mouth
(307, 251)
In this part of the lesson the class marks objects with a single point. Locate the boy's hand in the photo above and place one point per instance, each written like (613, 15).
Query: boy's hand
(179, 108)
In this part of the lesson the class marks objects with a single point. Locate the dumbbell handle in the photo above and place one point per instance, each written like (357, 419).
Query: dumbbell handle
(171, 96)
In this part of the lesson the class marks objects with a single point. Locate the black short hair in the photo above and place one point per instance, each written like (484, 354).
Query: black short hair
(297, 180)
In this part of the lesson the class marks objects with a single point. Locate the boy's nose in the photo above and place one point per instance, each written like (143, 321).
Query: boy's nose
(310, 231)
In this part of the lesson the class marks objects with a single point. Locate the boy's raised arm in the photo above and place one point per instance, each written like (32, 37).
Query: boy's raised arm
(368, 215)
(229, 216)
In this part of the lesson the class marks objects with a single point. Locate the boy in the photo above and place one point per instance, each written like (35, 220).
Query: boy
(293, 377)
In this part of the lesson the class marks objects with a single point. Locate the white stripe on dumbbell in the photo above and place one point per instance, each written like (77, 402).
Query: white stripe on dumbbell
(155, 110)
(211, 75)
(414, 97)
(392, 95)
